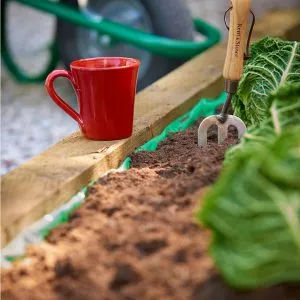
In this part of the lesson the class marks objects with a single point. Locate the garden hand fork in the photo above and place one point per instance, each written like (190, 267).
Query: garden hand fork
(232, 72)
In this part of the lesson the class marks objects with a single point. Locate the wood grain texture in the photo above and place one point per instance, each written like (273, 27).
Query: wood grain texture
(237, 39)
(50, 179)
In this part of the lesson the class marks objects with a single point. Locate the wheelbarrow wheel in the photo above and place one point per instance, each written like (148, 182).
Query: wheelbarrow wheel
(164, 18)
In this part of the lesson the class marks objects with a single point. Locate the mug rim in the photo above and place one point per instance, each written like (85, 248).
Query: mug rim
(135, 63)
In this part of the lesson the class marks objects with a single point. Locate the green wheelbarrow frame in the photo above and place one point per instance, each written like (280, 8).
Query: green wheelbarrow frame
(155, 44)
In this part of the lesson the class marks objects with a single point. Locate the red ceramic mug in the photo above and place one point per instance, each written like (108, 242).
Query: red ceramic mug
(105, 89)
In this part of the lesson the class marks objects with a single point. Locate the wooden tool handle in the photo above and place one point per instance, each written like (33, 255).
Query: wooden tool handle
(237, 39)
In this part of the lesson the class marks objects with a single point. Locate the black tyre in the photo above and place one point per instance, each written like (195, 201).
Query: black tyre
(169, 18)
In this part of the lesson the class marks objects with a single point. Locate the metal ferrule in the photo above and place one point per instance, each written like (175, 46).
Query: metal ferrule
(231, 86)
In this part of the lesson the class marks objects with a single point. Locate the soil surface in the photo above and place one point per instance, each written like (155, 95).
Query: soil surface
(135, 237)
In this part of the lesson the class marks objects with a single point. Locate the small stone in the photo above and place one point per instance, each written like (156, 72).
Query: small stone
(124, 275)
(63, 268)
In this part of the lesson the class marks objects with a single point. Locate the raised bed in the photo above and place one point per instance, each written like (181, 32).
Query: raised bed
(136, 228)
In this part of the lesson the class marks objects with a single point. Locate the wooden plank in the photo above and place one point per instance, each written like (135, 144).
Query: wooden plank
(50, 179)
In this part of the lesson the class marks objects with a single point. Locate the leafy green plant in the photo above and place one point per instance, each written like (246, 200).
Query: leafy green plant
(273, 63)
(253, 210)
(283, 111)
(254, 213)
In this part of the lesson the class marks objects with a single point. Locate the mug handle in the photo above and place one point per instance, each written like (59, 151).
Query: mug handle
(59, 101)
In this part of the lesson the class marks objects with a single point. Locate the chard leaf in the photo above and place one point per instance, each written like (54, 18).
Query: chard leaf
(283, 112)
(254, 213)
(273, 64)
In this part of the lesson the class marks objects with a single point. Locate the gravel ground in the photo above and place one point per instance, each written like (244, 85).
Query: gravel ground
(30, 121)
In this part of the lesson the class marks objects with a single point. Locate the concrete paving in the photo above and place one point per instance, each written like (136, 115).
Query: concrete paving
(30, 121)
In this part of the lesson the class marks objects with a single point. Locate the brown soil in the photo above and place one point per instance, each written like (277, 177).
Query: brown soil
(135, 236)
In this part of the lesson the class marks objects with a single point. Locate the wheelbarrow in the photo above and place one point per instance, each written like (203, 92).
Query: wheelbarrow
(159, 33)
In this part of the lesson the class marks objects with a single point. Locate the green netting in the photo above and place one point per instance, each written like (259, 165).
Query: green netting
(40, 230)
(63, 217)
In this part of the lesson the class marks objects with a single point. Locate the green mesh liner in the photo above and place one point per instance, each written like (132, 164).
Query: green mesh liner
(63, 217)
(39, 230)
